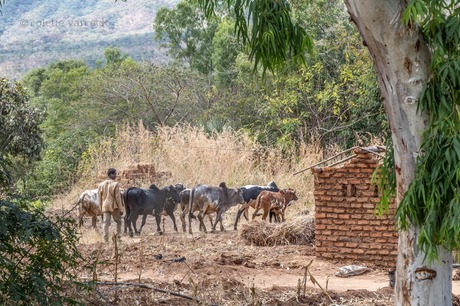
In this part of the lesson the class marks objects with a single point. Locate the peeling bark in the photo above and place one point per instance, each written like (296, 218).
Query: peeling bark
(401, 59)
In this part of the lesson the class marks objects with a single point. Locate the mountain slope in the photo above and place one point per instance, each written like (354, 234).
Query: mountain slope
(34, 33)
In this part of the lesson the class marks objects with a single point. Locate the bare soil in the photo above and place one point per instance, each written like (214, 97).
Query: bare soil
(220, 268)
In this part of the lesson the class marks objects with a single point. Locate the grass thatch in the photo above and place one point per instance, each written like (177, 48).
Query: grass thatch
(299, 230)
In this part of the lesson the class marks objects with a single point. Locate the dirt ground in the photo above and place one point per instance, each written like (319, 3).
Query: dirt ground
(220, 268)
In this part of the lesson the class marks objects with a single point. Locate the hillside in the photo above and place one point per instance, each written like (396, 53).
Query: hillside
(34, 33)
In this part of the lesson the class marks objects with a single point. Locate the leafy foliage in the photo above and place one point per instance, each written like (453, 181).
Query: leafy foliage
(157, 95)
(187, 35)
(433, 198)
(39, 258)
(20, 134)
(334, 98)
(266, 26)
(58, 90)
(384, 177)
(114, 56)
(225, 50)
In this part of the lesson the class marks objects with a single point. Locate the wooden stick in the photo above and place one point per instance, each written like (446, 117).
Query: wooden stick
(381, 156)
(326, 160)
(343, 160)
(145, 286)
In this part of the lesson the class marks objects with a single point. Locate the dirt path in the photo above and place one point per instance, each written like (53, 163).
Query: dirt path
(223, 261)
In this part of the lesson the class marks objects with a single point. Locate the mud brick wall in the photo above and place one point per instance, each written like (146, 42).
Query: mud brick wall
(347, 229)
(139, 175)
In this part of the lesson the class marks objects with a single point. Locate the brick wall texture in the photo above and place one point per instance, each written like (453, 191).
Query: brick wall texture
(139, 175)
(347, 229)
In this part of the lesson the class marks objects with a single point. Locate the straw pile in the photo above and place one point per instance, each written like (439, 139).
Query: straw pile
(300, 230)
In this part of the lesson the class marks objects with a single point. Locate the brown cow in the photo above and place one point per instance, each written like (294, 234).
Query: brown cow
(274, 201)
(250, 193)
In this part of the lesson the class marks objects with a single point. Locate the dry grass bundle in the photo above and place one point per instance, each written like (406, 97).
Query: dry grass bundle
(300, 230)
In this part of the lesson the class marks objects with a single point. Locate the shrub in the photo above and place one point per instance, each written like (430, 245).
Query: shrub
(38, 257)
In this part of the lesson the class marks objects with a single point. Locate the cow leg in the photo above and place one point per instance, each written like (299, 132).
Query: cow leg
(182, 217)
(93, 221)
(251, 203)
(171, 215)
(218, 219)
(158, 221)
(190, 214)
(202, 225)
(254, 214)
(274, 215)
(144, 219)
(127, 215)
(246, 212)
(238, 215)
(210, 222)
(243, 210)
(266, 212)
(125, 225)
(129, 220)
(133, 219)
(259, 204)
(210, 219)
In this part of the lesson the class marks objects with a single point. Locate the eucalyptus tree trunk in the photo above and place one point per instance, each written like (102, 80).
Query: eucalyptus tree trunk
(402, 59)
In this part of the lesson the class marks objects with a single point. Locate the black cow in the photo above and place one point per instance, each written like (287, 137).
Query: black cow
(250, 194)
(208, 199)
(151, 201)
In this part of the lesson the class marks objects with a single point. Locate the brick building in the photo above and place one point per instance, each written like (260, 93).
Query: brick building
(347, 228)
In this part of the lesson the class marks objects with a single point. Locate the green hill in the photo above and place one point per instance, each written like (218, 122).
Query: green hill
(34, 33)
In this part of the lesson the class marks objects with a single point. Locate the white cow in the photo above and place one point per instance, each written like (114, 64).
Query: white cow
(88, 206)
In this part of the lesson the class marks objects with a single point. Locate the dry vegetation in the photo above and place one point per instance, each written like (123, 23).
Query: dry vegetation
(194, 157)
(262, 264)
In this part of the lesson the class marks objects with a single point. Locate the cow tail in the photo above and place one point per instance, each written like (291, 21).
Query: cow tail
(125, 203)
(190, 204)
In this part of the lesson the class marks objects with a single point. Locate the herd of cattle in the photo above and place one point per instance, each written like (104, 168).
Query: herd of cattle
(202, 199)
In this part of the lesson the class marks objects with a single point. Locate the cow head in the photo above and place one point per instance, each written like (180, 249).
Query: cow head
(234, 196)
(154, 187)
(173, 193)
(179, 188)
(272, 185)
(290, 195)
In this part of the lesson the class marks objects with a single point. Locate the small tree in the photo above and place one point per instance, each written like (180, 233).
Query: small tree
(20, 134)
(39, 260)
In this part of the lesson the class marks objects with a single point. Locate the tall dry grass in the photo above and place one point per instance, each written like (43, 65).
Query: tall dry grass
(196, 157)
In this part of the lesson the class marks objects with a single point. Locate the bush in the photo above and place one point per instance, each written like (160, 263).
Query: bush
(38, 257)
